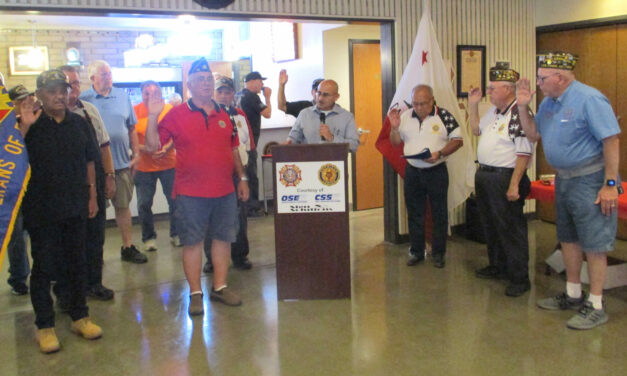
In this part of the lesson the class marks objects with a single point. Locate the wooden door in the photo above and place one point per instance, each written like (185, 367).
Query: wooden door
(365, 67)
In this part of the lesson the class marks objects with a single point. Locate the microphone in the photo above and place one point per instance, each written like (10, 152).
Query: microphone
(323, 119)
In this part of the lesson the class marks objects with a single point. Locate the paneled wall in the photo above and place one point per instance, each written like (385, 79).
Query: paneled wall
(505, 27)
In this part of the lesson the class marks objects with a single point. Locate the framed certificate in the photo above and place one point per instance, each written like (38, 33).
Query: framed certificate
(470, 69)
(24, 61)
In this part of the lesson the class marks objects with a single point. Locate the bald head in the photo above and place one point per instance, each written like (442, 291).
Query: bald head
(422, 100)
(327, 95)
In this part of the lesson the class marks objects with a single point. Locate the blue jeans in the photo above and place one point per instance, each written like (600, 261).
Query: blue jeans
(146, 185)
(19, 268)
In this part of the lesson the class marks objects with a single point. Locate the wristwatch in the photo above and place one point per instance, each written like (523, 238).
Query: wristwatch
(610, 182)
(244, 178)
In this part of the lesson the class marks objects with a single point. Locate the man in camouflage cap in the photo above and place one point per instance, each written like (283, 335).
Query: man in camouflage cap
(60, 196)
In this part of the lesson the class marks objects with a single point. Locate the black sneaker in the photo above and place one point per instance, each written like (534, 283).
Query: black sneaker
(19, 289)
(131, 254)
(438, 262)
(99, 292)
(517, 289)
(243, 265)
(489, 272)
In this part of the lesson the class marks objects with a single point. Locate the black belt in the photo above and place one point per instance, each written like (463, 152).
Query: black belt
(439, 165)
(507, 170)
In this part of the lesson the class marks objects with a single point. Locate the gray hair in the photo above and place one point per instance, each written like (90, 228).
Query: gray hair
(422, 87)
(68, 68)
(94, 66)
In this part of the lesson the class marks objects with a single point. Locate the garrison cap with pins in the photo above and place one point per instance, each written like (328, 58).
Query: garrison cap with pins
(52, 78)
(200, 65)
(501, 71)
(557, 60)
(18, 92)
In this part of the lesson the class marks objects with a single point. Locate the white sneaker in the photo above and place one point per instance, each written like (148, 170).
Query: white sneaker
(150, 245)
(175, 241)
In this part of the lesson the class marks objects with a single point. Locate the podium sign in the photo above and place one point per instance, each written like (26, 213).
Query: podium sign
(305, 187)
(311, 221)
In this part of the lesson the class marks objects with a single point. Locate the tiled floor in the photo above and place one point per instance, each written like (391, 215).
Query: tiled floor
(400, 320)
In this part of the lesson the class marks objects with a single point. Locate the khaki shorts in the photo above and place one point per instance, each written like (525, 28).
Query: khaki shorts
(123, 189)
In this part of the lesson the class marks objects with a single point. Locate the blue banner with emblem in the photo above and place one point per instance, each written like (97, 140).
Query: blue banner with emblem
(14, 170)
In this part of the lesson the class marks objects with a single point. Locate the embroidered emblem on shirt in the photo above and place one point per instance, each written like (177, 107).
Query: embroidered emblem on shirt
(239, 124)
(222, 124)
(435, 128)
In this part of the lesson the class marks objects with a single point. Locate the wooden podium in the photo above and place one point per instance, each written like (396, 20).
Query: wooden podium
(310, 185)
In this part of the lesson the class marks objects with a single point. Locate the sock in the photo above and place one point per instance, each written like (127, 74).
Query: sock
(573, 290)
(219, 288)
(596, 300)
(196, 293)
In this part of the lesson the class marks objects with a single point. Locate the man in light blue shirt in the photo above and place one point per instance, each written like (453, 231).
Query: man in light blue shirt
(326, 121)
(116, 111)
(580, 138)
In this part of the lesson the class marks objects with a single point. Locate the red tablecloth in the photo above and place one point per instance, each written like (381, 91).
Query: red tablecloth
(543, 192)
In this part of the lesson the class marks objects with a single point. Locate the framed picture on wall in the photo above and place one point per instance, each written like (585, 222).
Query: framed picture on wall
(470, 69)
(28, 60)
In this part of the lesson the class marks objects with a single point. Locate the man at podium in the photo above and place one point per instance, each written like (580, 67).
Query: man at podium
(326, 121)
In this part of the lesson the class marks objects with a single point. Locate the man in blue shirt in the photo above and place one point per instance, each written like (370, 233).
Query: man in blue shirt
(580, 137)
(116, 111)
(326, 121)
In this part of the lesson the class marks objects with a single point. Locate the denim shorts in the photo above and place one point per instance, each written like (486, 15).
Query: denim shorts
(579, 219)
(197, 215)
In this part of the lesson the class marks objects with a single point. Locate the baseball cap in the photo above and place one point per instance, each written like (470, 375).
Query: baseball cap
(18, 92)
(224, 82)
(51, 78)
(253, 76)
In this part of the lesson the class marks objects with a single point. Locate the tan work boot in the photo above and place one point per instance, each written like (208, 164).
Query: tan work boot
(87, 329)
(225, 296)
(47, 339)
(196, 306)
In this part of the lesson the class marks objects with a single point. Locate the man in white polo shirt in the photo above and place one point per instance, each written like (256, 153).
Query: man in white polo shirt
(501, 181)
(430, 127)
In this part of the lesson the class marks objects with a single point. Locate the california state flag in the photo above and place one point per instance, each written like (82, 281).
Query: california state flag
(426, 66)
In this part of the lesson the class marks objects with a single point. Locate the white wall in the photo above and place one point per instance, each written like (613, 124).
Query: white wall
(551, 12)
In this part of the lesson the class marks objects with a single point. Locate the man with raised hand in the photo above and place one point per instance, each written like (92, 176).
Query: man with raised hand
(579, 135)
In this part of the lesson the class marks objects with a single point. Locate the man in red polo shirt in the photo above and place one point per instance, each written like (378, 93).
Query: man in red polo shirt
(207, 155)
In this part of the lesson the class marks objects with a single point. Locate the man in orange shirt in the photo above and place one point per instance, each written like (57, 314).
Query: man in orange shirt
(150, 167)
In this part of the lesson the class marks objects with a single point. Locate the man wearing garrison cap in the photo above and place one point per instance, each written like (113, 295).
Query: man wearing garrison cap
(60, 196)
(580, 140)
(207, 157)
(501, 181)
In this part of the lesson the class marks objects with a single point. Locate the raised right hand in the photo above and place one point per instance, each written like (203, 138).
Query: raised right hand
(155, 104)
(395, 118)
(474, 95)
(282, 77)
(523, 92)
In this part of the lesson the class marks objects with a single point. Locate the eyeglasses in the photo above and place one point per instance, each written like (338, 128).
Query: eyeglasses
(541, 79)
